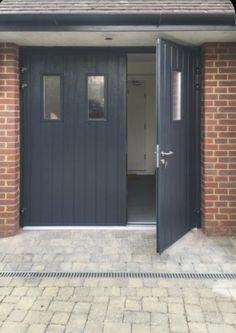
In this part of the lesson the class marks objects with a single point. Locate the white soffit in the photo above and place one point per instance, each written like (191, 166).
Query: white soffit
(135, 39)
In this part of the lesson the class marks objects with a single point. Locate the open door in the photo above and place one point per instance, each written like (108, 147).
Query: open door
(176, 106)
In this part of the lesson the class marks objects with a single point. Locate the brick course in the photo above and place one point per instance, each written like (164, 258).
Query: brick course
(219, 138)
(9, 139)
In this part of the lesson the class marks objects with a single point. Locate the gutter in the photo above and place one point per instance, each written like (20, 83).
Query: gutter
(34, 21)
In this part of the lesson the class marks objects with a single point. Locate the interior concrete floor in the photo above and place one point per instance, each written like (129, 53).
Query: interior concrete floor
(141, 199)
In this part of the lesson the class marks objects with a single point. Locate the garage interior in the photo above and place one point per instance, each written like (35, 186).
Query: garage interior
(141, 137)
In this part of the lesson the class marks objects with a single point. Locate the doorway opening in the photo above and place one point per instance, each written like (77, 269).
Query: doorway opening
(141, 139)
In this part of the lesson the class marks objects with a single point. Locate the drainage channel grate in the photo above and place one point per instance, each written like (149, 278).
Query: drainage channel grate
(117, 275)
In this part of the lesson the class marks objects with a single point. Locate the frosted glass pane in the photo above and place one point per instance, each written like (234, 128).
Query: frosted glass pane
(52, 97)
(176, 95)
(96, 97)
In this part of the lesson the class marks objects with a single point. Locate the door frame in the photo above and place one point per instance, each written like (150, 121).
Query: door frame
(196, 123)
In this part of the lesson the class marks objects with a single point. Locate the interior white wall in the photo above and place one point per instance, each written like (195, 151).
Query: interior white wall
(144, 70)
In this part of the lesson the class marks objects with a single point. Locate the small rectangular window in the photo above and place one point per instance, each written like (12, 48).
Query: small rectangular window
(96, 97)
(52, 97)
(176, 92)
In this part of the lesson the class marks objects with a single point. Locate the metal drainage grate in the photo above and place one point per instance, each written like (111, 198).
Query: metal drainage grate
(117, 275)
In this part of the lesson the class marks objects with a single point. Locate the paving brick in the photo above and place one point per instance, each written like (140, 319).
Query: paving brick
(135, 283)
(82, 307)
(97, 291)
(59, 329)
(21, 291)
(5, 310)
(100, 299)
(60, 318)
(50, 292)
(229, 318)
(220, 328)
(76, 323)
(197, 328)
(17, 315)
(65, 293)
(194, 313)
(227, 307)
(25, 302)
(5, 291)
(37, 328)
(11, 299)
(208, 304)
(10, 327)
(136, 317)
(38, 317)
(114, 327)
(41, 304)
(32, 291)
(159, 319)
(152, 304)
(132, 292)
(142, 292)
(159, 292)
(178, 323)
(112, 291)
(80, 291)
(133, 304)
(213, 317)
(61, 306)
(141, 328)
(97, 312)
(159, 329)
(176, 308)
(93, 327)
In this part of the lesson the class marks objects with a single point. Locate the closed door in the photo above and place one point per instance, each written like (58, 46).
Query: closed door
(74, 138)
(136, 126)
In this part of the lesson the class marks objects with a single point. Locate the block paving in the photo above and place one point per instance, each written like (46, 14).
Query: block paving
(117, 306)
(114, 250)
(106, 305)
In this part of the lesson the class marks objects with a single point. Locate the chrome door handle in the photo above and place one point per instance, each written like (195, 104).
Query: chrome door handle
(169, 153)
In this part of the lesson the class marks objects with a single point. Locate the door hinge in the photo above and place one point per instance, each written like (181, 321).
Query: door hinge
(197, 86)
(197, 211)
(24, 86)
(23, 210)
(145, 157)
(198, 70)
(24, 69)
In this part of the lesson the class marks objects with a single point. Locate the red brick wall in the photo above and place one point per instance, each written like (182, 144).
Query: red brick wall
(9, 140)
(219, 139)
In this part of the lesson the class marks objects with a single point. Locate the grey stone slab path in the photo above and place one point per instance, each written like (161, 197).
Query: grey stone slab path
(114, 250)
(117, 306)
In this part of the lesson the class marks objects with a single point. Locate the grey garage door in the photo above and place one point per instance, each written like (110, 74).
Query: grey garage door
(74, 137)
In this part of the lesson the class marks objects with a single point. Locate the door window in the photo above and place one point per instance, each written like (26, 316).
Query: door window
(96, 97)
(52, 97)
(176, 91)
